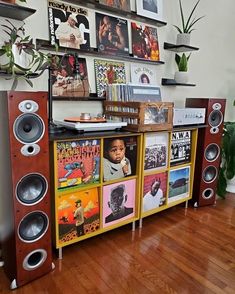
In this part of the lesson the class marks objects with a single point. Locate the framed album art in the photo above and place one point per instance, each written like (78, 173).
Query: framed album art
(180, 147)
(150, 8)
(179, 184)
(143, 74)
(118, 202)
(119, 4)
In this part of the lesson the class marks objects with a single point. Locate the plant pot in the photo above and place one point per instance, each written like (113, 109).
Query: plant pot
(181, 77)
(183, 39)
(231, 185)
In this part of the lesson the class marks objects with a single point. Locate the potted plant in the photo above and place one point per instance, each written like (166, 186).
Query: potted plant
(183, 38)
(18, 56)
(226, 178)
(181, 76)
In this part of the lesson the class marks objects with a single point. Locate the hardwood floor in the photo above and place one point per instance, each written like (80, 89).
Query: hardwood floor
(177, 251)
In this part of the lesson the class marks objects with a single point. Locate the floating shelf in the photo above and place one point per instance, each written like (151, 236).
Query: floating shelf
(15, 11)
(179, 48)
(91, 97)
(46, 45)
(172, 82)
(126, 14)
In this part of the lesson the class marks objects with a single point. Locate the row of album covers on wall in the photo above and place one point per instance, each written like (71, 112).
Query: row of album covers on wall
(75, 27)
(66, 84)
(78, 164)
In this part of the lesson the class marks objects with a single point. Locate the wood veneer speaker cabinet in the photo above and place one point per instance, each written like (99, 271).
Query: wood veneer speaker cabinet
(208, 149)
(25, 198)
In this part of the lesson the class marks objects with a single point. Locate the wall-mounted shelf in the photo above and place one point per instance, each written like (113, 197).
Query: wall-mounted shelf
(91, 97)
(15, 11)
(179, 48)
(126, 14)
(46, 45)
(172, 82)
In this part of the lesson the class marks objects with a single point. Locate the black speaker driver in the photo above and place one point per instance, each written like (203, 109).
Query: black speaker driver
(209, 174)
(34, 259)
(33, 226)
(215, 118)
(208, 193)
(28, 128)
(212, 152)
(31, 189)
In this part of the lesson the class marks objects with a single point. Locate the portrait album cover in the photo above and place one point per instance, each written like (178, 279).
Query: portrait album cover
(120, 4)
(156, 150)
(112, 34)
(180, 147)
(68, 25)
(77, 162)
(120, 154)
(143, 74)
(108, 72)
(77, 214)
(179, 184)
(69, 78)
(150, 8)
(154, 193)
(118, 202)
(144, 41)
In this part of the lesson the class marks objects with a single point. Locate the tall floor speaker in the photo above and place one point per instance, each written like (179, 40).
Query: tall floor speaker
(208, 150)
(25, 231)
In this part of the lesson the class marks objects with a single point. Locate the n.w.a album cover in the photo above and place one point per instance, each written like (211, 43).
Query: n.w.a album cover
(68, 25)
(78, 162)
(108, 72)
(180, 147)
(143, 74)
(144, 42)
(112, 34)
(77, 215)
(156, 152)
(120, 4)
(69, 77)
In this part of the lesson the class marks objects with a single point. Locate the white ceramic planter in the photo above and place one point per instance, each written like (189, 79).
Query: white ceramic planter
(231, 185)
(183, 39)
(181, 77)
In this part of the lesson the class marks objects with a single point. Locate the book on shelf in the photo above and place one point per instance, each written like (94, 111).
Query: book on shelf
(180, 147)
(68, 25)
(108, 72)
(112, 34)
(78, 162)
(145, 42)
(69, 77)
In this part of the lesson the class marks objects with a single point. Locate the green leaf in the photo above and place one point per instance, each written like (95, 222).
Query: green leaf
(191, 14)
(182, 15)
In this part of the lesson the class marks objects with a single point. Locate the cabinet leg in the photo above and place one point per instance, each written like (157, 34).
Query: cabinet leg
(60, 253)
(140, 223)
(186, 204)
(133, 226)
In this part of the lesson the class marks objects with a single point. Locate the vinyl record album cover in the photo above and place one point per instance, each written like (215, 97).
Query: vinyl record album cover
(120, 4)
(145, 41)
(112, 34)
(78, 214)
(143, 74)
(78, 162)
(69, 78)
(108, 72)
(68, 25)
(180, 147)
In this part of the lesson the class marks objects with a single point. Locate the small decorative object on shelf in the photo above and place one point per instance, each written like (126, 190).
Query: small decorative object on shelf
(183, 38)
(181, 76)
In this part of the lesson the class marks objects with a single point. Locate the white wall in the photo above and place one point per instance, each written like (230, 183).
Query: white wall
(212, 68)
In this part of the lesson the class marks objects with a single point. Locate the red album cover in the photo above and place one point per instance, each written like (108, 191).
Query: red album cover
(120, 4)
(69, 78)
(144, 42)
(78, 162)
(112, 34)
(68, 25)
(77, 214)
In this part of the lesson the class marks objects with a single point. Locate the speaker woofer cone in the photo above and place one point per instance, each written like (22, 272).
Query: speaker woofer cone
(31, 189)
(208, 193)
(33, 226)
(209, 174)
(212, 152)
(34, 259)
(215, 118)
(28, 128)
